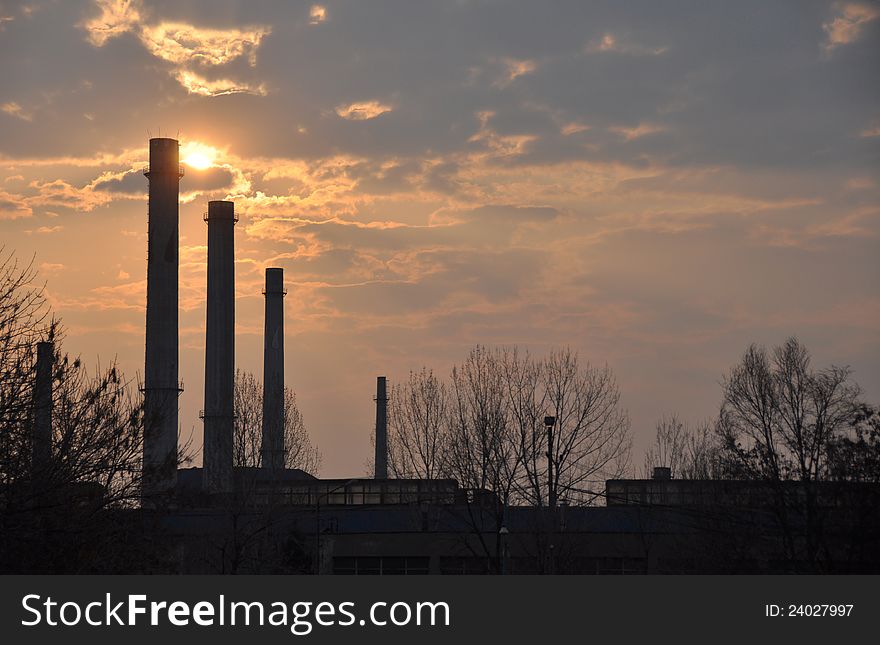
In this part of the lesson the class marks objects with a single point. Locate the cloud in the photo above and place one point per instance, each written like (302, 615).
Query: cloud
(317, 14)
(573, 127)
(499, 214)
(50, 267)
(533, 202)
(132, 183)
(847, 25)
(641, 130)
(14, 109)
(187, 47)
(117, 17)
(196, 84)
(45, 230)
(128, 182)
(362, 110)
(499, 145)
(13, 206)
(59, 193)
(185, 44)
(208, 180)
(513, 69)
(609, 43)
(873, 130)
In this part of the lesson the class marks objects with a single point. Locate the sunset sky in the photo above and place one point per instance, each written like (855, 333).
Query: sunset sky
(654, 184)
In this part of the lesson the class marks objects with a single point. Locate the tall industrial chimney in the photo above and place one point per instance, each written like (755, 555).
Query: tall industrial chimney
(161, 385)
(41, 455)
(381, 463)
(219, 348)
(273, 372)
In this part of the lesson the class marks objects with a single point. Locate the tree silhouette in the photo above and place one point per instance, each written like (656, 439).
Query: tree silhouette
(248, 434)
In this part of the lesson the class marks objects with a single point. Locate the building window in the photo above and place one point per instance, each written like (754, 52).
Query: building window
(385, 566)
(464, 566)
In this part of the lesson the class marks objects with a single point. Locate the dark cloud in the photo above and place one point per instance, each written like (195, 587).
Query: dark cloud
(208, 180)
(133, 182)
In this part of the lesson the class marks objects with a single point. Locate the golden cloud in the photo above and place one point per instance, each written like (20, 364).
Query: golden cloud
(573, 128)
(44, 230)
(184, 46)
(363, 110)
(117, 17)
(13, 206)
(14, 109)
(50, 267)
(195, 84)
(846, 26)
(499, 145)
(513, 69)
(609, 43)
(641, 130)
(317, 14)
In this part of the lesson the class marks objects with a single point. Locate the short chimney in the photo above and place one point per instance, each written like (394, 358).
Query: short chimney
(662, 473)
(273, 372)
(381, 462)
(41, 455)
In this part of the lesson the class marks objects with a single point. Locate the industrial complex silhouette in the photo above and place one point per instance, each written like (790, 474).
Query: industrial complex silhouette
(274, 519)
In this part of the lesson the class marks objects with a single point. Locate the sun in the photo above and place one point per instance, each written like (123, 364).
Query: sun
(198, 155)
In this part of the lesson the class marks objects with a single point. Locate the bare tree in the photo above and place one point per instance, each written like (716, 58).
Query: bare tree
(25, 319)
(778, 423)
(689, 453)
(668, 449)
(591, 441)
(417, 424)
(97, 421)
(483, 452)
(526, 404)
(248, 434)
(66, 516)
(854, 455)
(778, 415)
(98, 430)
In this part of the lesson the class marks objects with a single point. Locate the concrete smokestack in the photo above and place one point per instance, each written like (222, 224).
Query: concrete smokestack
(219, 348)
(41, 455)
(161, 385)
(381, 463)
(273, 372)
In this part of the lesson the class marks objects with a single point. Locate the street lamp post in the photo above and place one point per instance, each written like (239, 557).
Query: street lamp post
(549, 422)
(503, 534)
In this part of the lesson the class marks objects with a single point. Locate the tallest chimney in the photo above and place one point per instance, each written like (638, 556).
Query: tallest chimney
(273, 372)
(161, 385)
(219, 347)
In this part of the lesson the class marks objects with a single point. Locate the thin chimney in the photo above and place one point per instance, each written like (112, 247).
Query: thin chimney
(41, 455)
(273, 372)
(381, 462)
(219, 348)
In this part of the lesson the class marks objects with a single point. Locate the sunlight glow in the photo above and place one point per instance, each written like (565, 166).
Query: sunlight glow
(198, 155)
